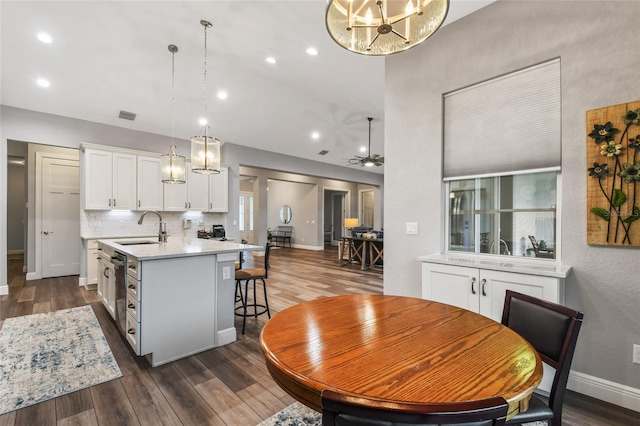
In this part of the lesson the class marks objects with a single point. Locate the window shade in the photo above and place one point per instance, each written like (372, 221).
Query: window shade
(505, 125)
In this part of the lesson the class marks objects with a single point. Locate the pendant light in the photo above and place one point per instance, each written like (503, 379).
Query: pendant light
(205, 150)
(382, 27)
(172, 165)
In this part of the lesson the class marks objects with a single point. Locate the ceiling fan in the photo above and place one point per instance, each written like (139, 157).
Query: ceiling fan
(369, 160)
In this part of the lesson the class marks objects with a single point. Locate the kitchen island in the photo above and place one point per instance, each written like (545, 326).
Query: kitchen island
(170, 300)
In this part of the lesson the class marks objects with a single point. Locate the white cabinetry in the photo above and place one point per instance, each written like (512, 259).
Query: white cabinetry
(91, 259)
(107, 284)
(150, 186)
(219, 191)
(480, 286)
(191, 196)
(483, 290)
(109, 180)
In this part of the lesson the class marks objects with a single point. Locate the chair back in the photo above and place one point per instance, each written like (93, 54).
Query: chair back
(551, 329)
(346, 410)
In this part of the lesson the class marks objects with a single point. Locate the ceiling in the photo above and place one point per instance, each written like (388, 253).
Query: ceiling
(108, 56)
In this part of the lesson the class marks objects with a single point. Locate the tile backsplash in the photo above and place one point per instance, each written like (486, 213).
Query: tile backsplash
(120, 223)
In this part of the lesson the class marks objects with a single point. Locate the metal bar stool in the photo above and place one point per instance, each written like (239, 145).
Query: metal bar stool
(253, 309)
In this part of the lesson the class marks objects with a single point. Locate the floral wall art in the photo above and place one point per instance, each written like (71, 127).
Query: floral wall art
(613, 170)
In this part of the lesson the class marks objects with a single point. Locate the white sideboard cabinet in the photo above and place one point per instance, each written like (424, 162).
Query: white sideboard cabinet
(480, 285)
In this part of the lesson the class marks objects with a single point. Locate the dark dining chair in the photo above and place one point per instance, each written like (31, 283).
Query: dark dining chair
(346, 410)
(552, 330)
(251, 308)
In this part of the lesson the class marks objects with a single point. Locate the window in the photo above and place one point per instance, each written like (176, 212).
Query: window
(513, 215)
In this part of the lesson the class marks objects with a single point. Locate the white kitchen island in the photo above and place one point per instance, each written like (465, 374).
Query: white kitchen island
(172, 299)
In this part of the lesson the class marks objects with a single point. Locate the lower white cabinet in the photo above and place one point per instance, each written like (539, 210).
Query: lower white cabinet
(91, 266)
(483, 290)
(107, 285)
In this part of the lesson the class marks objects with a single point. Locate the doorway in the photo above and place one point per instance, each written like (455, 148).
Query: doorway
(246, 217)
(335, 210)
(366, 208)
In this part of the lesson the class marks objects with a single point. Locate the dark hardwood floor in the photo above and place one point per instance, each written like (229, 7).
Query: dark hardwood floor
(223, 386)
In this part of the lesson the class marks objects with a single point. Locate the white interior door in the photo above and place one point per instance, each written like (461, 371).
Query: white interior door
(245, 220)
(60, 211)
(367, 208)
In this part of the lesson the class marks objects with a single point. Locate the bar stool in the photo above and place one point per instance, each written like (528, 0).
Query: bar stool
(254, 308)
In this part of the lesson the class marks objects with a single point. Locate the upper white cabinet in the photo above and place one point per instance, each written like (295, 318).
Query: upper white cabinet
(150, 191)
(109, 180)
(219, 191)
(205, 193)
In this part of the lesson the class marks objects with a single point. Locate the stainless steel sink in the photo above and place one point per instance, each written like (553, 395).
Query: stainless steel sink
(136, 243)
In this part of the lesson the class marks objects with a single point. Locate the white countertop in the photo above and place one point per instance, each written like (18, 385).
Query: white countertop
(531, 267)
(175, 247)
(104, 237)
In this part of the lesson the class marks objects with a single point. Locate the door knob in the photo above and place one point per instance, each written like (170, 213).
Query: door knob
(47, 232)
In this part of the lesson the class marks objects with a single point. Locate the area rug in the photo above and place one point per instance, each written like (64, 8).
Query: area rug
(44, 356)
(297, 414)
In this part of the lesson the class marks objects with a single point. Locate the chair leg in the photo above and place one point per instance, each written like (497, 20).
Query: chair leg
(266, 301)
(239, 297)
(246, 296)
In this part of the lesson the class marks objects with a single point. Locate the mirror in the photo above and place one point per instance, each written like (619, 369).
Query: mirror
(285, 214)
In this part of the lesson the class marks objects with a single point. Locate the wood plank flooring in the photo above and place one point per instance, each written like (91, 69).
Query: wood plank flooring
(223, 386)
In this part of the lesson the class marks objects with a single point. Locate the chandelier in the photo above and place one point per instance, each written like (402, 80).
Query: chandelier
(382, 27)
(205, 150)
(172, 165)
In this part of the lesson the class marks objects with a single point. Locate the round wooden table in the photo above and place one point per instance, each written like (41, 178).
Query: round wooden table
(397, 348)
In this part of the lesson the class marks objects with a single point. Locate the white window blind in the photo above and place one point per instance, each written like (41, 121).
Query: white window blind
(505, 125)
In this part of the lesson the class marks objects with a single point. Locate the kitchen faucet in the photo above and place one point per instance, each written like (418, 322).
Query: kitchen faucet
(162, 226)
(506, 247)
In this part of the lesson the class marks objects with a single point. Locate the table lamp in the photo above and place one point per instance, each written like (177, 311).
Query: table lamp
(350, 222)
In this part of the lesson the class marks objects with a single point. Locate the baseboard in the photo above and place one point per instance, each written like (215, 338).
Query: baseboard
(4, 289)
(24, 269)
(82, 280)
(32, 276)
(226, 336)
(314, 248)
(605, 390)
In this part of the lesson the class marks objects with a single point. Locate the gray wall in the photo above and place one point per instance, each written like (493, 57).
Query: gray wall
(596, 42)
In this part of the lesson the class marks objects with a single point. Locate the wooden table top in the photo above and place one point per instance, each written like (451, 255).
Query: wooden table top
(397, 348)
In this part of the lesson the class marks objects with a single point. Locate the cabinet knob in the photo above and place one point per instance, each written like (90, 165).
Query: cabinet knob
(130, 306)
(484, 284)
(109, 202)
(473, 282)
(114, 202)
(132, 287)
(131, 331)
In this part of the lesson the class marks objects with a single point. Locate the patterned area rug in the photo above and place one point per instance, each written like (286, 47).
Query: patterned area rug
(43, 356)
(298, 414)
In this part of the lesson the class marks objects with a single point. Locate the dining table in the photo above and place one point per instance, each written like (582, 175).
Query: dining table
(399, 349)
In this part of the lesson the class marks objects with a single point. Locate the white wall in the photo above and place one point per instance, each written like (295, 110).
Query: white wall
(599, 63)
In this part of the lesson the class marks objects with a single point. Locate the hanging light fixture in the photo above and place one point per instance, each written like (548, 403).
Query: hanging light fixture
(382, 27)
(205, 150)
(172, 165)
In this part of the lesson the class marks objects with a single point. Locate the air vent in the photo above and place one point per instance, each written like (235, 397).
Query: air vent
(127, 115)
(323, 152)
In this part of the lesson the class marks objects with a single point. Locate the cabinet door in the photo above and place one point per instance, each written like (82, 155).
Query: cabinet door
(92, 266)
(124, 181)
(176, 195)
(494, 284)
(110, 290)
(150, 186)
(454, 285)
(198, 189)
(98, 179)
(219, 191)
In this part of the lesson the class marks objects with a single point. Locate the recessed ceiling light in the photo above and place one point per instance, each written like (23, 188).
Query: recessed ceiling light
(203, 121)
(312, 51)
(363, 149)
(315, 135)
(45, 38)
(271, 60)
(43, 83)
(222, 95)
